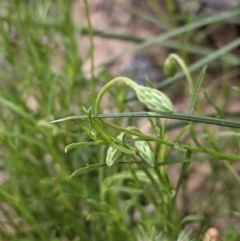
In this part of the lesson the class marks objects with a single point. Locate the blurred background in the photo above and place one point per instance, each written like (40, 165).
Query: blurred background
(53, 54)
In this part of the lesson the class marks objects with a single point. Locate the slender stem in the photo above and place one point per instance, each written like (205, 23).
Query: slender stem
(152, 179)
(230, 157)
(232, 170)
(140, 185)
(148, 194)
(181, 177)
(91, 50)
(120, 79)
(176, 116)
(137, 133)
(185, 70)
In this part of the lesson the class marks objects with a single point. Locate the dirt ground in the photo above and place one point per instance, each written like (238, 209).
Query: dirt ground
(114, 16)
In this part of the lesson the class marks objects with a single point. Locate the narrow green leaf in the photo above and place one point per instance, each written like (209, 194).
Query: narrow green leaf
(196, 89)
(179, 147)
(213, 103)
(192, 218)
(15, 108)
(175, 116)
(8, 197)
(123, 149)
(77, 117)
(87, 169)
(80, 144)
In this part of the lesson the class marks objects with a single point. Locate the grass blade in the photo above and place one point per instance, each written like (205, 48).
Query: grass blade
(197, 89)
(175, 116)
(86, 169)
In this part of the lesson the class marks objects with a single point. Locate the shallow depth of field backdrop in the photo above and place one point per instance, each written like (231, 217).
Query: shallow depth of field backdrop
(54, 58)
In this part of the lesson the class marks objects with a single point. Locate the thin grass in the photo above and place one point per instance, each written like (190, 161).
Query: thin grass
(46, 194)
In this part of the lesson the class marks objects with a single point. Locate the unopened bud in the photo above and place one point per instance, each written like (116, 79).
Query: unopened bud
(145, 152)
(115, 152)
(113, 155)
(154, 99)
(169, 67)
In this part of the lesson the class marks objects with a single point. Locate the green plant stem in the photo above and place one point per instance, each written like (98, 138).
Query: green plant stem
(91, 50)
(162, 197)
(171, 144)
(186, 117)
(152, 179)
(203, 61)
(137, 133)
(176, 116)
(122, 80)
(232, 170)
(140, 185)
(148, 194)
(181, 177)
(185, 70)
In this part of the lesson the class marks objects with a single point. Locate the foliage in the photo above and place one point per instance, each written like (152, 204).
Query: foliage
(113, 182)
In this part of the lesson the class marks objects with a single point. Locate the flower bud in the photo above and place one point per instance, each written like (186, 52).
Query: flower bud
(169, 67)
(115, 151)
(113, 155)
(145, 152)
(154, 99)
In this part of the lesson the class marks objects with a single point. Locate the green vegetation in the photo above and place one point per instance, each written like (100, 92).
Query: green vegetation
(74, 167)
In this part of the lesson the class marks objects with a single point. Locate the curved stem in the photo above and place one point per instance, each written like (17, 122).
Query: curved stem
(184, 68)
(122, 80)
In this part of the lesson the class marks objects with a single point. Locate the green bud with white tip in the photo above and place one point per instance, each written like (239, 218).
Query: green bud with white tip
(113, 156)
(145, 152)
(116, 151)
(154, 99)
